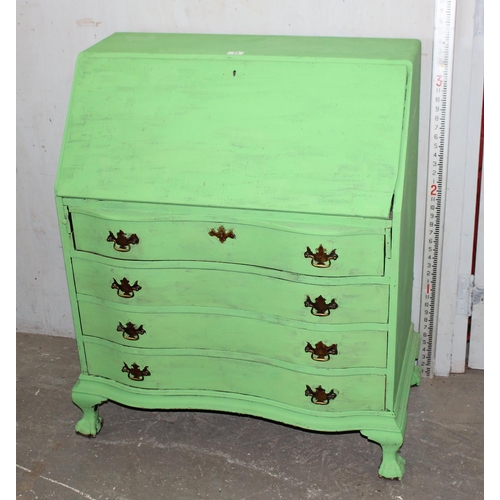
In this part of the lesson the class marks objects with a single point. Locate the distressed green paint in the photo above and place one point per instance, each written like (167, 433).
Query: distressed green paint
(253, 338)
(293, 222)
(256, 245)
(195, 373)
(404, 233)
(297, 142)
(283, 127)
(237, 290)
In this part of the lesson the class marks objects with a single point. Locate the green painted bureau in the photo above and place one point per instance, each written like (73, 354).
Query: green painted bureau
(237, 221)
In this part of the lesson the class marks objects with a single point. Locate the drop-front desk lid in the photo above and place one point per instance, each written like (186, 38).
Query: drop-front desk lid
(296, 124)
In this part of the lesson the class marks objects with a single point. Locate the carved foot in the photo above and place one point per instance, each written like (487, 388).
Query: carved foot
(393, 465)
(91, 423)
(415, 377)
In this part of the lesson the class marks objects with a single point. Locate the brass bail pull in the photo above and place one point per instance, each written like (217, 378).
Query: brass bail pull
(130, 331)
(321, 258)
(321, 352)
(121, 242)
(320, 396)
(135, 373)
(124, 289)
(320, 307)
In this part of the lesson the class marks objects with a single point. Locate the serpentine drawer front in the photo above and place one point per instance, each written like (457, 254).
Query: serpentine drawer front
(196, 373)
(344, 251)
(237, 221)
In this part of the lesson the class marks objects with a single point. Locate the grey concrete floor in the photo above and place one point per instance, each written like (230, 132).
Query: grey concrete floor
(158, 455)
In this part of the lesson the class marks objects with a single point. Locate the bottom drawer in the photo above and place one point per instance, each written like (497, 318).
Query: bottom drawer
(158, 369)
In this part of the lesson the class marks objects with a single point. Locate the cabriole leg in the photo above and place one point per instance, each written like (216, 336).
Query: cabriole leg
(393, 465)
(91, 423)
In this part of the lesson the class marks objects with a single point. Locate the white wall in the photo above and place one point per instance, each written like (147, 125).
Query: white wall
(51, 34)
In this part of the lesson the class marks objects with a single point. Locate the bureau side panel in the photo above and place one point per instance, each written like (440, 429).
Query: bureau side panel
(404, 236)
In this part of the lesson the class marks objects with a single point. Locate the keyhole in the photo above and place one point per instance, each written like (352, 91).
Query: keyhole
(234, 73)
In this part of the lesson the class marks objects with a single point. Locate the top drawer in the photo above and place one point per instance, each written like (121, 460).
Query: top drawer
(298, 248)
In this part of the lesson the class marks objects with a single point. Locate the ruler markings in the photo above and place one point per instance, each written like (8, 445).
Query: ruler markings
(444, 29)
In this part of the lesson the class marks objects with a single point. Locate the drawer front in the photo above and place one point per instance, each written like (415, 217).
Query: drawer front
(286, 248)
(252, 337)
(195, 374)
(239, 292)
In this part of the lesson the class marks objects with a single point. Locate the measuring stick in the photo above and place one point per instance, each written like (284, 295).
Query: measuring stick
(444, 31)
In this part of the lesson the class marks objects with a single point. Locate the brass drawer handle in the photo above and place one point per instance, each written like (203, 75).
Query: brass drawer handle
(222, 234)
(320, 258)
(130, 331)
(321, 352)
(319, 307)
(320, 396)
(135, 373)
(125, 289)
(121, 241)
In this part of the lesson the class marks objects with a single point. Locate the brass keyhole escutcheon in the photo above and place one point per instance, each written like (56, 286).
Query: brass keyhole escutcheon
(221, 234)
